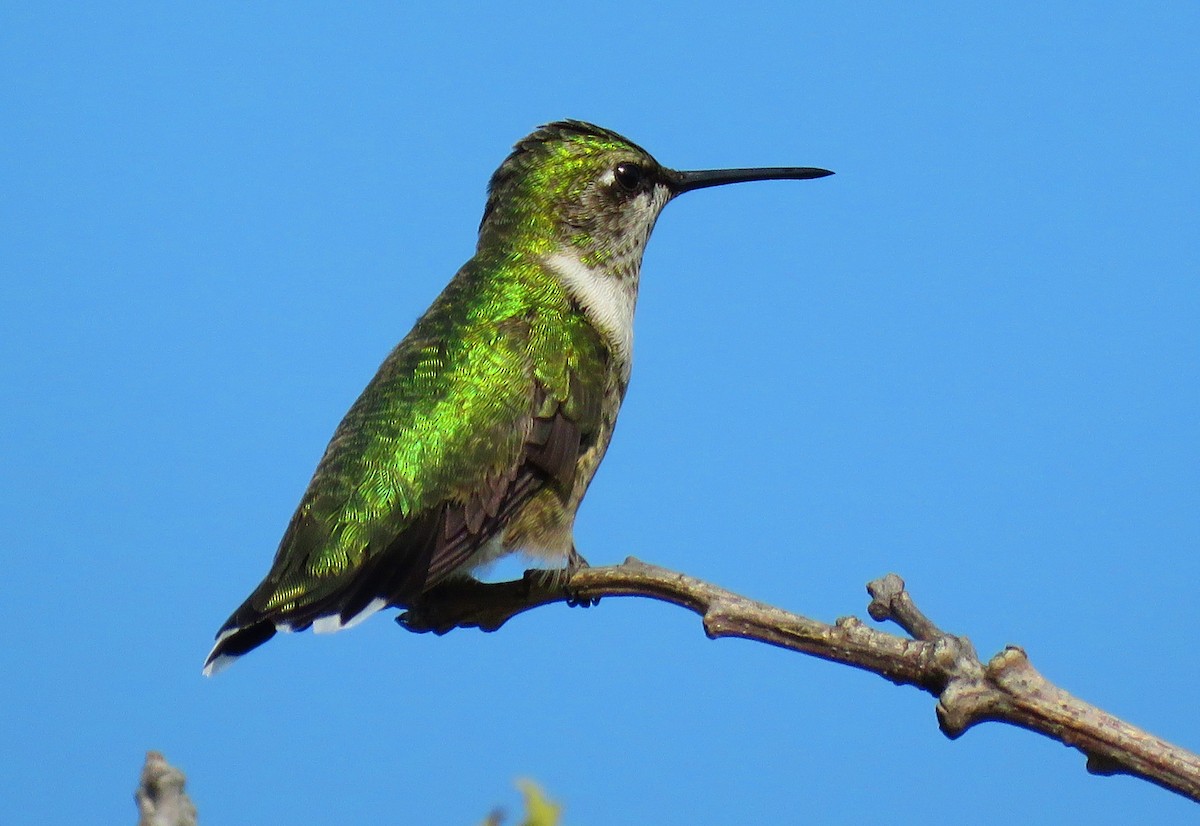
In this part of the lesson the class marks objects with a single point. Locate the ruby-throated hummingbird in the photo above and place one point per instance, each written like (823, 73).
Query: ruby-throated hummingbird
(481, 431)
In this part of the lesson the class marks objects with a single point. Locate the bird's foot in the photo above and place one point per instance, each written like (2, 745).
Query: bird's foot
(575, 562)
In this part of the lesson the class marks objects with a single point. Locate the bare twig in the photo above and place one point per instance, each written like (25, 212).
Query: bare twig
(160, 797)
(1007, 689)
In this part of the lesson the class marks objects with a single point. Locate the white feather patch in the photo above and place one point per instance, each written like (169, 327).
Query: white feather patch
(608, 301)
(333, 622)
(218, 665)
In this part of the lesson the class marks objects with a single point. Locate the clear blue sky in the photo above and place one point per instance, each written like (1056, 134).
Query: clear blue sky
(971, 358)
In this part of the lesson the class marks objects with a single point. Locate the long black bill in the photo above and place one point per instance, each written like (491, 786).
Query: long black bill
(687, 181)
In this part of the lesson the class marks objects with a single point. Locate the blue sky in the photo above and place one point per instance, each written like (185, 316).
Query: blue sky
(971, 358)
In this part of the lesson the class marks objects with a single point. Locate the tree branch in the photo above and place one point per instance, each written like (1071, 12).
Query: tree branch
(1006, 689)
(160, 797)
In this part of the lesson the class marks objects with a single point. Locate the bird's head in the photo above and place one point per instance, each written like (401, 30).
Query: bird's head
(575, 186)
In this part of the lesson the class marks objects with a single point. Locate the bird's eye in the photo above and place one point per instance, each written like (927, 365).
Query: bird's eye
(628, 176)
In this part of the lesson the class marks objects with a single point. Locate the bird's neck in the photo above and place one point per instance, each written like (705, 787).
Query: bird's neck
(606, 296)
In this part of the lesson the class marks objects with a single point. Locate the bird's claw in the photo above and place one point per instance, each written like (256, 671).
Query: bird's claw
(574, 600)
(575, 562)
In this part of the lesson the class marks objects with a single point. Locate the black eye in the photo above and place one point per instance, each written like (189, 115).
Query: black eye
(629, 176)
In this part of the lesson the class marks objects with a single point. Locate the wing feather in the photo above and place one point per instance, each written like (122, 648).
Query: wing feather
(458, 429)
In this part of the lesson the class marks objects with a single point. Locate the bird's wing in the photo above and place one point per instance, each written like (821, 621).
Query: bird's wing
(452, 435)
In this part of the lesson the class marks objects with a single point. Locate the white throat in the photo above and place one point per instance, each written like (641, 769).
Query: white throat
(608, 300)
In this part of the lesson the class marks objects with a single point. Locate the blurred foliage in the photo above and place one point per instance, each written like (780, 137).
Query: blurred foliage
(539, 810)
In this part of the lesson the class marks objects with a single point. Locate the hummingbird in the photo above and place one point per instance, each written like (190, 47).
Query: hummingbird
(480, 433)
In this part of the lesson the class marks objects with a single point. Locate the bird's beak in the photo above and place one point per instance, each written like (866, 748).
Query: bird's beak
(680, 182)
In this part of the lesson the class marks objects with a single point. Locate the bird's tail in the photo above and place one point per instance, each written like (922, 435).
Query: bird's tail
(234, 642)
(249, 628)
(394, 576)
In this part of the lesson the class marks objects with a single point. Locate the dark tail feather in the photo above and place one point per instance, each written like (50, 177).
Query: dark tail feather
(234, 642)
(340, 607)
